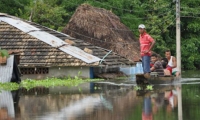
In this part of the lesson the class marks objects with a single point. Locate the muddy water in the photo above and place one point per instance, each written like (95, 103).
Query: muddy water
(104, 101)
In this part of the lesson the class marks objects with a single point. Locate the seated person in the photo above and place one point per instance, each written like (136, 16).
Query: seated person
(157, 67)
(172, 63)
(167, 67)
(166, 71)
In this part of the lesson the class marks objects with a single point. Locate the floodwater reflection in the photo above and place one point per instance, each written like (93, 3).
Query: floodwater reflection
(101, 102)
(106, 102)
(161, 104)
(114, 104)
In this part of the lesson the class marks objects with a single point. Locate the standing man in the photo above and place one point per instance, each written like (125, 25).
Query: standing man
(172, 63)
(146, 44)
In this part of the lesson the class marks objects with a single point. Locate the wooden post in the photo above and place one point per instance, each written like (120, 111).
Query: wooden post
(178, 57)
(178, 36)
(179, 95)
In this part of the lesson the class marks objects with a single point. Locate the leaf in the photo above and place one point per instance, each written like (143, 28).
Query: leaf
(137, 88)
(149, 87)
(4, 53)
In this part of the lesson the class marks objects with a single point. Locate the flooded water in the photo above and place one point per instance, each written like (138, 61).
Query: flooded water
(105, 101)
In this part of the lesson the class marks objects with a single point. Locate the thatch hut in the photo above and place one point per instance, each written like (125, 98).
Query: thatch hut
(103, 28)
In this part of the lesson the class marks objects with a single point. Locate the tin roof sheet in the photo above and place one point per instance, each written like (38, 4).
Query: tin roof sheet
(51, 40)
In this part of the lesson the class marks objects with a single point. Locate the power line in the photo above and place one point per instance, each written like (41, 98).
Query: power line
(128, 10)
(52, 22)
(106, 41)
(171, 23)
(189, 8)
(95, 39)
(99, 40)
(123, 29)
(189, 17)
(122, 17)
(168, 25)
(186, 13)
(161, 14)
(105, 27)
(85, 35)
(166, 20)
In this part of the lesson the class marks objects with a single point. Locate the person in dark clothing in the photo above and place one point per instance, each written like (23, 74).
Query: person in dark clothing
(157, 67)
(167, 69)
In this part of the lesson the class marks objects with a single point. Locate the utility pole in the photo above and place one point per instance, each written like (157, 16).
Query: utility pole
(178, 36)
(178, 57)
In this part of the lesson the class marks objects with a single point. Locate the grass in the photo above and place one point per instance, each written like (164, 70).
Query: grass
(48, 82)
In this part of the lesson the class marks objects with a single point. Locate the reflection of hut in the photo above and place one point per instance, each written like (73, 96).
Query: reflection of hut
(6, 105)
(103, 28)
(78, 106)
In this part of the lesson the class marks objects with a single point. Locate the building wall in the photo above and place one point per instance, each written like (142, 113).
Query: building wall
(61, 72)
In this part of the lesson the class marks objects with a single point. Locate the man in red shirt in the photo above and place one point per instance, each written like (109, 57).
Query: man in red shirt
(146, 44)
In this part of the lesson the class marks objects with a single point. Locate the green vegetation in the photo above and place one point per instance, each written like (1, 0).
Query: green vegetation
(49, 82)
(149, 87)
(137, 88)
(4, 53)
(146, 87)
(157, 15)
(9, 86)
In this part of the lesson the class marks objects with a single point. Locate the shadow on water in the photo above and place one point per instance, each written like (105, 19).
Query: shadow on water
(103, 101)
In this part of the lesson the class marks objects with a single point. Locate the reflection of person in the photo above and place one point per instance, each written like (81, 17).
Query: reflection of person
(157, 101)
(172, 100)
(167, 99)
(147, 110)
(157, 65)
(146, 44)
(172, 63)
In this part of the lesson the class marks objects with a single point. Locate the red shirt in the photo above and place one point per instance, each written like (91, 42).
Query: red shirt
(169, 68)
(145, 43)
(147, 117)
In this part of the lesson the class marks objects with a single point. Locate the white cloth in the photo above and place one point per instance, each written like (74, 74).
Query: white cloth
(171, 98)
(170, 63)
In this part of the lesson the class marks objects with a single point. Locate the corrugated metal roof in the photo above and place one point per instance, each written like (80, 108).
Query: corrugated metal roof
(35, 52)
(50, 39)
(7, 70)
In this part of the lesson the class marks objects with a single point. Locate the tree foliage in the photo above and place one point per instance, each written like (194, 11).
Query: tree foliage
(158, 15)
(13, 7)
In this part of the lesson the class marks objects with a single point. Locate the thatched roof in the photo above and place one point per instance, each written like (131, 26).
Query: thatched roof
(103, 28)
